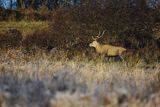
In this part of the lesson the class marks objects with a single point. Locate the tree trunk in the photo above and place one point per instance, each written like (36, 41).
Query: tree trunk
(21, 4)
(11, 3)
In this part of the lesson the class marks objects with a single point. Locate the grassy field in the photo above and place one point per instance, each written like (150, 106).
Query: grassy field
(32, 76)
(41, 79)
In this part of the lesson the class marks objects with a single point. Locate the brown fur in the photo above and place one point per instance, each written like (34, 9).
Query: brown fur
(107, 49)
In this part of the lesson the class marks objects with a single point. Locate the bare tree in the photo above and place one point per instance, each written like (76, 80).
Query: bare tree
(21, 3)
(11, 4)
(1, 3)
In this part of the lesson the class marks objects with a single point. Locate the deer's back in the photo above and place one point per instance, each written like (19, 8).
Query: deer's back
(113, 50)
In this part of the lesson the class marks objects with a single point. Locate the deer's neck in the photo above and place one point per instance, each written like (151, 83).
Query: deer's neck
(98, 48)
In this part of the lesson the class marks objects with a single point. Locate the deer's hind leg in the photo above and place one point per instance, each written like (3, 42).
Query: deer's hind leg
(110, 58)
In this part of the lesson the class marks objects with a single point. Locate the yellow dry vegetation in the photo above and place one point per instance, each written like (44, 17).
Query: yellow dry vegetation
(26, 27)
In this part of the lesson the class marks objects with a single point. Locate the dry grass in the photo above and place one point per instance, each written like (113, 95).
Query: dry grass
(25, 27)
(42, 79)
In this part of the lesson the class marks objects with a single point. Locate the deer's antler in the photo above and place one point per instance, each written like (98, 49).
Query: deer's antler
(103, 32)
(94, 38)
(99, 35)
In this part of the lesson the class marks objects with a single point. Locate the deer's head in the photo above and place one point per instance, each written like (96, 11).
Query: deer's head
(95, 43)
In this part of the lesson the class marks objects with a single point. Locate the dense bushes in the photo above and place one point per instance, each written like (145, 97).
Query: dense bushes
(10, 39)
(128, 25)
(118, 18)
(39, 38)
(25, 14)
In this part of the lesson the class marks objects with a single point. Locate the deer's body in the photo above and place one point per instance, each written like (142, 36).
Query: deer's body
(107, 49)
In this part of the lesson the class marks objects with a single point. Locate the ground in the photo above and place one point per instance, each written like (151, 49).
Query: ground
(43, 79)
